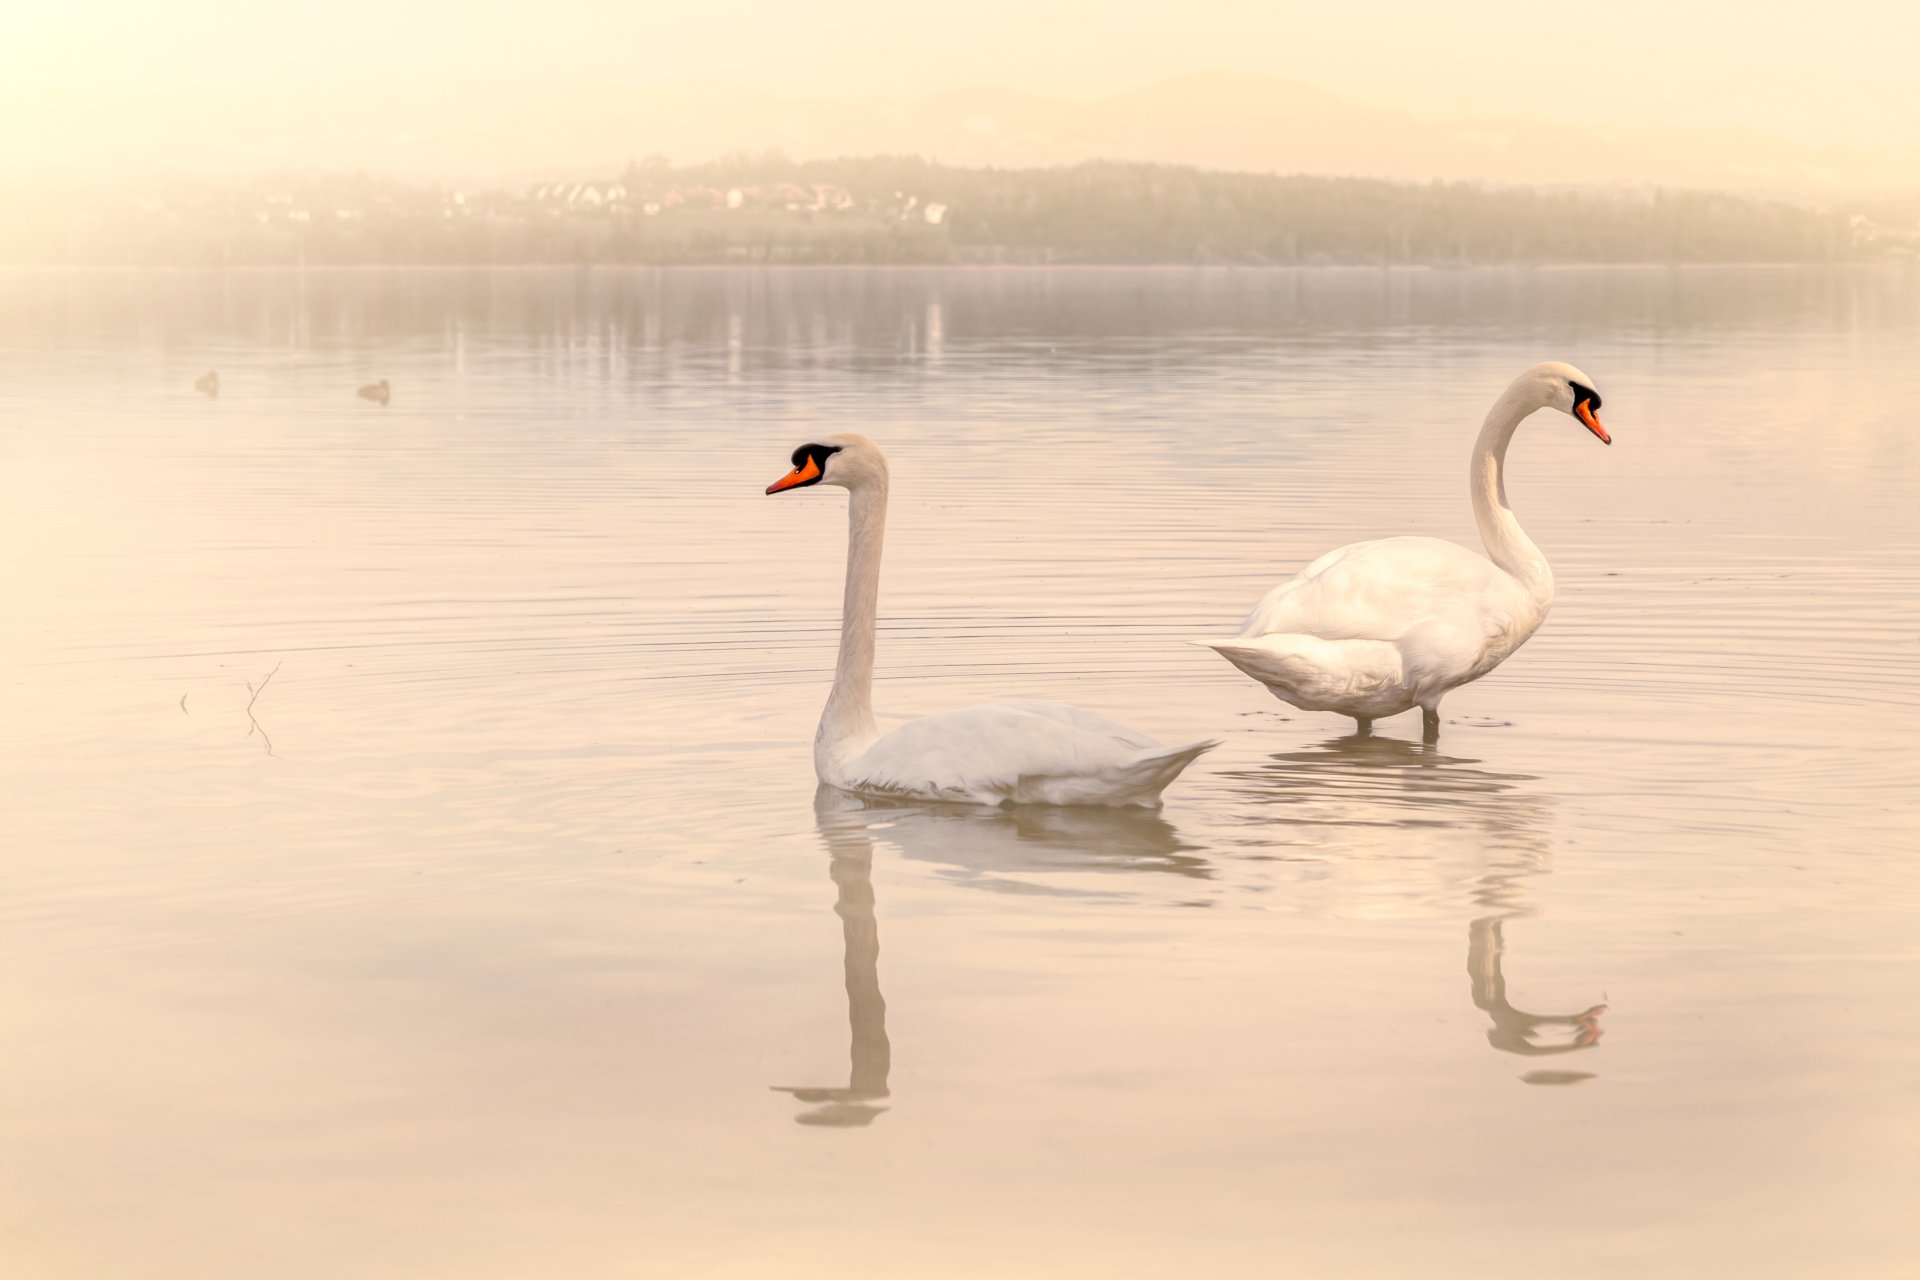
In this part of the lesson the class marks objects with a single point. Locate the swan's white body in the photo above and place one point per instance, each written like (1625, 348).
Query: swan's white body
(1377, 628)
(997, 753)
(1005, 753)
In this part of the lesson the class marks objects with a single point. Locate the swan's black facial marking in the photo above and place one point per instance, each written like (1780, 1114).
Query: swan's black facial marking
(809, 465)
(1585, 401)
(818, 452)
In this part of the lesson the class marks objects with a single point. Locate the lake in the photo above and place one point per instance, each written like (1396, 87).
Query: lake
(414, 865)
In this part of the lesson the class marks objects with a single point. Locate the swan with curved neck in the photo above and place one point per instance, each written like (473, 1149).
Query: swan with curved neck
(1377, 628)
(998, 753)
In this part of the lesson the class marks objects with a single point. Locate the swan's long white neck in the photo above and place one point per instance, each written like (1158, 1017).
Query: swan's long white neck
(1506, 542)
(847, 725)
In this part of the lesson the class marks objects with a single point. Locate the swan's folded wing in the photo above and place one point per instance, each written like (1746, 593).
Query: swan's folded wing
(1021, 752)
(1373, 590)
(1079, 718)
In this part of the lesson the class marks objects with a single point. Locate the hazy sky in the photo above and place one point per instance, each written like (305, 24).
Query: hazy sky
(133, 81)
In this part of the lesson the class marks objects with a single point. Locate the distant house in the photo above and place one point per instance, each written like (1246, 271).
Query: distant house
(828, 196)
(576, 196)
(935, 214)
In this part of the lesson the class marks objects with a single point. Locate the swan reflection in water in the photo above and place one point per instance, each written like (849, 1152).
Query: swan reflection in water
(997, 849)
(1516, 1030)
(850, 863)
(1441, 810)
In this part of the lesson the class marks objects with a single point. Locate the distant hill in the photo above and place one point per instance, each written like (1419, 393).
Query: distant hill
(1237, 121)
(1226, 120)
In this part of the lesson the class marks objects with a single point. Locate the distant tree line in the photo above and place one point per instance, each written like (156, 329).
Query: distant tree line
(742, 209)
(1111, 212)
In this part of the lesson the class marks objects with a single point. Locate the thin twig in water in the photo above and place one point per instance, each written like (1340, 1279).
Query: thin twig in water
(183, 706)
(255, 698)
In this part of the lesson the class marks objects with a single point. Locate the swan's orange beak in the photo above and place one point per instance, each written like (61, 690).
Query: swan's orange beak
(808, 470)
(1584, 411)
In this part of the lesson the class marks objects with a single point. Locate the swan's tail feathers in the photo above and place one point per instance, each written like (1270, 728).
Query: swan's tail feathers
(1311, 672)
(1275, 661)
(1145, 776)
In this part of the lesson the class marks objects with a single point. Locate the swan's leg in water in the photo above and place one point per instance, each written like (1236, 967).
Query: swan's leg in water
(1430, 723)
(1362, 726)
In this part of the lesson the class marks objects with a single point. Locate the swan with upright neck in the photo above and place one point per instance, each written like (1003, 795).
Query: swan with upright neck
(997, 753)
(1377, 628)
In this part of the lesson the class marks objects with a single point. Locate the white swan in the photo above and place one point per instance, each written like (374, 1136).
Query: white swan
(1377, 628)
(998, 753)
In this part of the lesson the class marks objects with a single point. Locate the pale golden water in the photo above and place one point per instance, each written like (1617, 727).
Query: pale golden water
(507, 937)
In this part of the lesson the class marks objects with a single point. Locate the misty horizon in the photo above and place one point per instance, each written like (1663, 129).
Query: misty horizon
(768, 209)
(1803, 104)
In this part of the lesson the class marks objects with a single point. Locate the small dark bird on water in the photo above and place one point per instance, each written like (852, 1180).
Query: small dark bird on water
(208, 384)
(376, 392)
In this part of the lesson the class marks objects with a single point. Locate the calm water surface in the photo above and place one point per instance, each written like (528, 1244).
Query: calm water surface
(414, 866)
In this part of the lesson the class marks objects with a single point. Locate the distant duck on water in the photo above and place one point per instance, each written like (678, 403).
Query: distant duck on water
(208, 384)
(377, 392)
